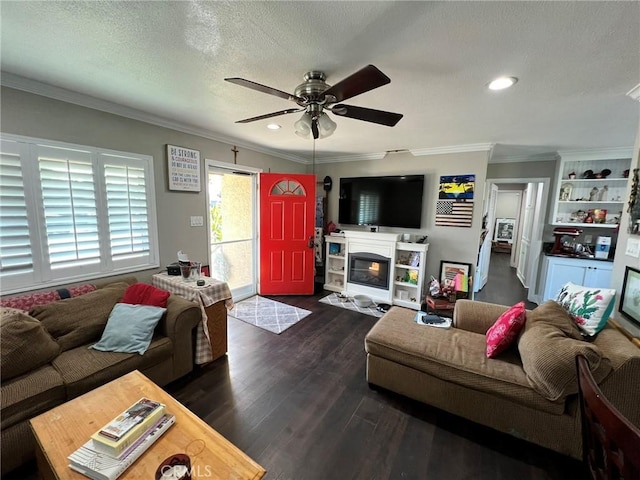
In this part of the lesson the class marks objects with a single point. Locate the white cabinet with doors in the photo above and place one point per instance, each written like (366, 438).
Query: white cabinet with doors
(409, 274)
(590, 188)
(335, 268)
(557, 271)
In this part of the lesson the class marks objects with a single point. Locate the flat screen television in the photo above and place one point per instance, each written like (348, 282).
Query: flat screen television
(392, 201)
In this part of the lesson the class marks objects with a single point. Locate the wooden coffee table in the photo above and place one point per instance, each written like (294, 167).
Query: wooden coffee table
(62, 430)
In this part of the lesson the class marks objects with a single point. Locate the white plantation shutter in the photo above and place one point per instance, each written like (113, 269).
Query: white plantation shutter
(69, 204)
(128, 200)
(90, 213)
(15, 240)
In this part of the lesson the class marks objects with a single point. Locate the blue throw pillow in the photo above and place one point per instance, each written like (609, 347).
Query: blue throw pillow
(129, 328)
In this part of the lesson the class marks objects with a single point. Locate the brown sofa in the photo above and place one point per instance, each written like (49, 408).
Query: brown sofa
(528, 391)
(61, 366)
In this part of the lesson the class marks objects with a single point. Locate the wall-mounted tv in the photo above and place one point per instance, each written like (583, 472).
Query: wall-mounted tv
(393, 201)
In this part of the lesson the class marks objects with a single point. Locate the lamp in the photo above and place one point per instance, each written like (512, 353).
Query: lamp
(326, 126)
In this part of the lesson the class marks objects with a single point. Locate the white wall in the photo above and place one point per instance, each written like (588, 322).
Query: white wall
(32, 115)
(445, 243)
(621, 260)
(507, 204)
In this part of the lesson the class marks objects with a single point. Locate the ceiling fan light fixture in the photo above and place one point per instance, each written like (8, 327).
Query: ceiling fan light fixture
(326, 126)
(501, 83)
(303, 126)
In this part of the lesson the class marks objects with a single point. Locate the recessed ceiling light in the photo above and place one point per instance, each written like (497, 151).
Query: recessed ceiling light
(501, 83)
(273, 126)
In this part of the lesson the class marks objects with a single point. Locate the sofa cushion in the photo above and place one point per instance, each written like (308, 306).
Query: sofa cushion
(552, 313)
(80, 320)
(548, 359)
(145, 294)
(129, 328)
(24, 343)
(590, 308)
(84, 369)
(453, 355)
(30, 394)
(504, 332)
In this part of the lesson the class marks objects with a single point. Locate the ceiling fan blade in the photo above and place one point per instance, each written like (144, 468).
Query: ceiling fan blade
(389, 119)
(264, 89)
(269, 115)
(362, 81)
(314, 129)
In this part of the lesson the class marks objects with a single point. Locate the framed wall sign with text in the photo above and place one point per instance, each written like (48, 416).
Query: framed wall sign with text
(184, 169)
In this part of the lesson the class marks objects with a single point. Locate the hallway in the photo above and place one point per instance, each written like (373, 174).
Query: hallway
(503, 286)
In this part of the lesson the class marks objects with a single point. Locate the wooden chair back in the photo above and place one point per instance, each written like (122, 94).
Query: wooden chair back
(610, 443)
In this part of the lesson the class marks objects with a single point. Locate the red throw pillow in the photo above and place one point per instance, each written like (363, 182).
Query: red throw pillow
(504, 332)
(145, 294)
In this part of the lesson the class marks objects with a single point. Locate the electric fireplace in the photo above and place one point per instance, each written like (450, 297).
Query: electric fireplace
(369, 269)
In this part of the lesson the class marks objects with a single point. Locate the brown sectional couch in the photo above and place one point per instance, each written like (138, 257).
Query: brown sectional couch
(529, 391)
(76, 323)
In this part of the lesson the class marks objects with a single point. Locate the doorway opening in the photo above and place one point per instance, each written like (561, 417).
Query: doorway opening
(526, 248)
(232, 219)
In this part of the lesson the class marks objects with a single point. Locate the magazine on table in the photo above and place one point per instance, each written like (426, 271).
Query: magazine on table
(424, 318)
(100, 466)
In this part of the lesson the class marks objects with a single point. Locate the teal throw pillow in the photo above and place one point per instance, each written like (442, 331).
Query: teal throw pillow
(129, 328)
(590, 308)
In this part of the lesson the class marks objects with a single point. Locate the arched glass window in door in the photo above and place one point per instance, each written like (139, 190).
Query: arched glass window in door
(288, 187)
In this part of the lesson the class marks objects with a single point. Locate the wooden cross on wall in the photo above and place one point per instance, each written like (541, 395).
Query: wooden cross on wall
(235, 154)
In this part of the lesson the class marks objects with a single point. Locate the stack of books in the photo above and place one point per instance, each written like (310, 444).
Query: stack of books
(113, 448)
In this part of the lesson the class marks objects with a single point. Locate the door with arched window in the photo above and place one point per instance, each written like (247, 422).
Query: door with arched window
(287, 219)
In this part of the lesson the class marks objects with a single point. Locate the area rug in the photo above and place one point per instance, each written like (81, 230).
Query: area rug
(336, 301)
(268, 314)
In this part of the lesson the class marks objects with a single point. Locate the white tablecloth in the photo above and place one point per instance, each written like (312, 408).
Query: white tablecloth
(211, 292)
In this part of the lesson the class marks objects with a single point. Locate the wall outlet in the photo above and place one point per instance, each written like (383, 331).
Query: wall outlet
(197, 221)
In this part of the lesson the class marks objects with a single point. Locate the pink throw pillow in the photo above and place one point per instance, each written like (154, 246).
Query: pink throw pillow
(145, 294)
(504, 332)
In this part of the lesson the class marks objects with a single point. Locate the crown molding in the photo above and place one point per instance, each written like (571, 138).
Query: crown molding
(472, 147)
(57, 93)
(612, 153)
(635, 93)
(540, 157)
(352, 158)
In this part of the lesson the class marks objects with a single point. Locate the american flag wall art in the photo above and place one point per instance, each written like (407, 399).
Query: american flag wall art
(454, 214)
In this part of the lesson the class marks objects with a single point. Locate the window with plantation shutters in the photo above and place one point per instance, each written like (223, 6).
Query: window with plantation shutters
(68, 191)
(16, 257)
(70, 213)
(127, 210)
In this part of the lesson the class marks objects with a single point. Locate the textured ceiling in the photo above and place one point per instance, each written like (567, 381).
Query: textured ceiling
(575, 61)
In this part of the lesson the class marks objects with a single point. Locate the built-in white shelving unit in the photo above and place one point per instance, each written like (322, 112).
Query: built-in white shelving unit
(591, 202)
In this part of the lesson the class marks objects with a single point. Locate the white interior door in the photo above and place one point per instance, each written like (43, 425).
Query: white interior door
(232, 202)
(522, 269)
(484, 259)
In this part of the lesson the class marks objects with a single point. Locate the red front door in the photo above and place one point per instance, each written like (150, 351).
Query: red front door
(287, 219)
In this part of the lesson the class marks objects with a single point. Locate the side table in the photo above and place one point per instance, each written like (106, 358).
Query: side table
(214, 297)
(439, 306)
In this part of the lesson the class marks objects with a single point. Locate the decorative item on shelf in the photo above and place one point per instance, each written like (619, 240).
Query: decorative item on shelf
(625, 174)
(588, 174)
(593, 195)
(602, 194)
(597, 215)
(604, 173)
(572, 175)
(565, 191)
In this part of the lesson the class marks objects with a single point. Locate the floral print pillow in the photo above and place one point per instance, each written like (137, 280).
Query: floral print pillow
(590, 308)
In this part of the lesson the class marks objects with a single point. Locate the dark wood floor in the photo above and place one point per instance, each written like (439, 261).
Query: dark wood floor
(299, 405)
(503, 285)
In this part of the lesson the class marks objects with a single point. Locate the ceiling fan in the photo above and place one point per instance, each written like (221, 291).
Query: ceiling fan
(314, 96)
